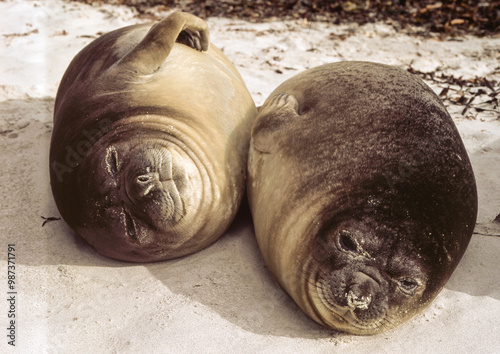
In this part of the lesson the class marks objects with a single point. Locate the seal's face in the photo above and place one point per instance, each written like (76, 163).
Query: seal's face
(367, 279)
(149, 184)
(136, 198)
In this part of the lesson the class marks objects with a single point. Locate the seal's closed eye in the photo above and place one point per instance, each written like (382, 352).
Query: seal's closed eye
(346, 242)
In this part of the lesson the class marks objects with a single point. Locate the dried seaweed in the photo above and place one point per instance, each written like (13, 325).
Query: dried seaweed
(444, 18)
(479, 93)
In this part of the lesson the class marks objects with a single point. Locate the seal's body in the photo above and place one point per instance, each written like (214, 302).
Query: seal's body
(150, 141)
(362, 194)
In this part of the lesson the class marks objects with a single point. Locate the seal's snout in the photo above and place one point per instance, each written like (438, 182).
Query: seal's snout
(151, 190)
(366, 296)
(361, 291)
(156, 194)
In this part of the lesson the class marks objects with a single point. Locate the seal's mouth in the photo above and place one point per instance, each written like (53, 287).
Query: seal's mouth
(348, 317)
(357, 305)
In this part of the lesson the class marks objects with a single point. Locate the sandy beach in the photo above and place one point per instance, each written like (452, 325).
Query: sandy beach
(223, 299)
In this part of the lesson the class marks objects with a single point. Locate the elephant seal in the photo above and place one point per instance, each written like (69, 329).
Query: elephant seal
(150, 142)
(361, 192)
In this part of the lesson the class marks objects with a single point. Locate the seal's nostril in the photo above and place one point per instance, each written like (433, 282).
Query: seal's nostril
(151, 177)
(142, 185)
(355, 301)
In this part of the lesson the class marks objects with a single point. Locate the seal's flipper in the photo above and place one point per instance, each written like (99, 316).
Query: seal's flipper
(273, 116)
(193, 39)
(151, 52)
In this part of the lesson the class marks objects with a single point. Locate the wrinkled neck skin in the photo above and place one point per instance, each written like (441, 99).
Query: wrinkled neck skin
(144, 188)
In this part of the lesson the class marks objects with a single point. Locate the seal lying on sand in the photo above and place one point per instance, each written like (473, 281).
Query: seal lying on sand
(362, 194)
(150, 142)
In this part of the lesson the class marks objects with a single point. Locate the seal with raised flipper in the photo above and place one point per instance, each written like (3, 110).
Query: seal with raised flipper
(362, 194)
(150, 142)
